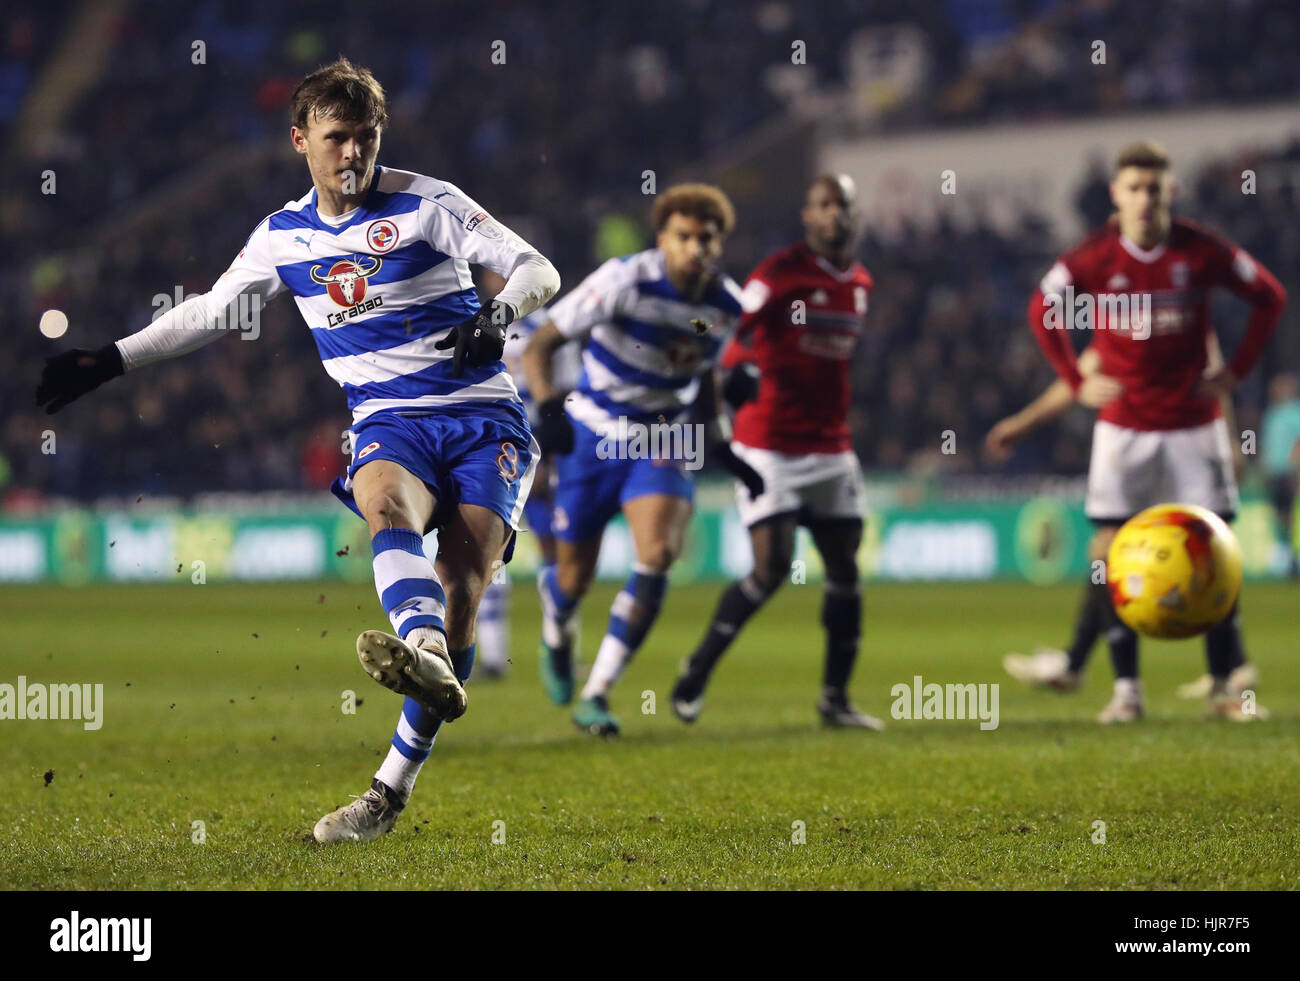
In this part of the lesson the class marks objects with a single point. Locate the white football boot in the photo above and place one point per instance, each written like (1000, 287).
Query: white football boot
(422, 673)
(1047, 667)
(1241, 678)
(1228, 701)
(372, 814)
(1123, 707)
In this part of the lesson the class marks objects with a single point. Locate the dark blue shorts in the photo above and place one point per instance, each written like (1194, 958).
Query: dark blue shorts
(590, 491)
(465, 457)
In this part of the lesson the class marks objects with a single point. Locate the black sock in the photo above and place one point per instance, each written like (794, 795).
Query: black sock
(842, 618)
(737, 605)
(1088, 625)
(1123, 640)
(1224, 651)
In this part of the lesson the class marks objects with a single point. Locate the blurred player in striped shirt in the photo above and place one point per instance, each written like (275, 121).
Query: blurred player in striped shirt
(651, 325)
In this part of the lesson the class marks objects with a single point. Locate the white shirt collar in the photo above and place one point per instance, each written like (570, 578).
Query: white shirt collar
(1139, 253)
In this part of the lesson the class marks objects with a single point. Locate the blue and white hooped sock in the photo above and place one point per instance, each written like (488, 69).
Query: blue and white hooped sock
(557, 609)
(407, 586)
(634, 612)
(493, 625)
(417, 728)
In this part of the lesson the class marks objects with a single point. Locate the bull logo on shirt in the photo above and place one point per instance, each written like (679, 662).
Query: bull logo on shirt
(346, 280)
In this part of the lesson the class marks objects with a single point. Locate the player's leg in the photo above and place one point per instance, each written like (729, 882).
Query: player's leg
(1126, 703)
(562, 585)
(493, 633)
(772, 519)
(587, 493)
(658, 525)
(838, 540)
(397, 506)
(469, 547)
(1125, 473)
(1200, 462)
(489, 471)
(493, 630)
(772, 541)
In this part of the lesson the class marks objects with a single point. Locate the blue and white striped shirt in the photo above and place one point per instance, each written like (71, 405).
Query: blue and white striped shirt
(643, 356)
(377, 290)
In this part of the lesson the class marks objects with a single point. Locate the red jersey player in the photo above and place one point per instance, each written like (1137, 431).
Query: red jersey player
(1144, 282)
(804, 308)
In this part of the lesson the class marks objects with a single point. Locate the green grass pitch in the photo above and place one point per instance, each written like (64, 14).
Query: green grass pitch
(223, 704)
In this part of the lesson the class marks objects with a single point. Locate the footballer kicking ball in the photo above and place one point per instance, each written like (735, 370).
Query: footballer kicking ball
(1174, 570)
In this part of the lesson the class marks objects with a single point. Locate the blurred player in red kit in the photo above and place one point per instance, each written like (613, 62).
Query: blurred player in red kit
(1142, 284)
(804, 309)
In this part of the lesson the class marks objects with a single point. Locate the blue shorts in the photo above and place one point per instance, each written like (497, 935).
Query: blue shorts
(537, 512)
(590, 491)
(464, 456)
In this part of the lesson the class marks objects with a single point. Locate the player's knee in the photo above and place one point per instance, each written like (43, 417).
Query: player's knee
(659, 556)
(770, 574)
(843, 570)
(387, 509)
(761, 587)
(573, 578)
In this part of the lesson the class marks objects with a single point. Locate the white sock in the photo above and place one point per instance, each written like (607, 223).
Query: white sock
(399, 773)
(1128, 689)
(493, 643)
(493, 626)
(417, 728)
(427, 637)
(610, 661)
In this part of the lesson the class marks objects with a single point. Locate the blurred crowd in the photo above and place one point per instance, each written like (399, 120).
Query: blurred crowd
(610, 91)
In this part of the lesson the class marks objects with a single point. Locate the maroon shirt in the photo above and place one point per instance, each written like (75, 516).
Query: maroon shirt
(802, 318)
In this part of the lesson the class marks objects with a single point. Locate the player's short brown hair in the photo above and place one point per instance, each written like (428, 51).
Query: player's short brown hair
(1147, 154)
(702, 201)
(341, 91)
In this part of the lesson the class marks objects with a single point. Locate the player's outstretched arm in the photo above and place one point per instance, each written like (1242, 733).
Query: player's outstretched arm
(1053, 403)
(69, 375)
(233, 305)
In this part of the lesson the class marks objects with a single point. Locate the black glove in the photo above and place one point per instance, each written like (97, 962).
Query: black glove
(72, 374)
(554, 431)
(738, 468)
(740, 385)
(479, 340)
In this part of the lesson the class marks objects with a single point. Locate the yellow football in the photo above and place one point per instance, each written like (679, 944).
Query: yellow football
(1174, 570)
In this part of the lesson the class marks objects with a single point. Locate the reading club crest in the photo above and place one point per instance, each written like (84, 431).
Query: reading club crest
(381, 235)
